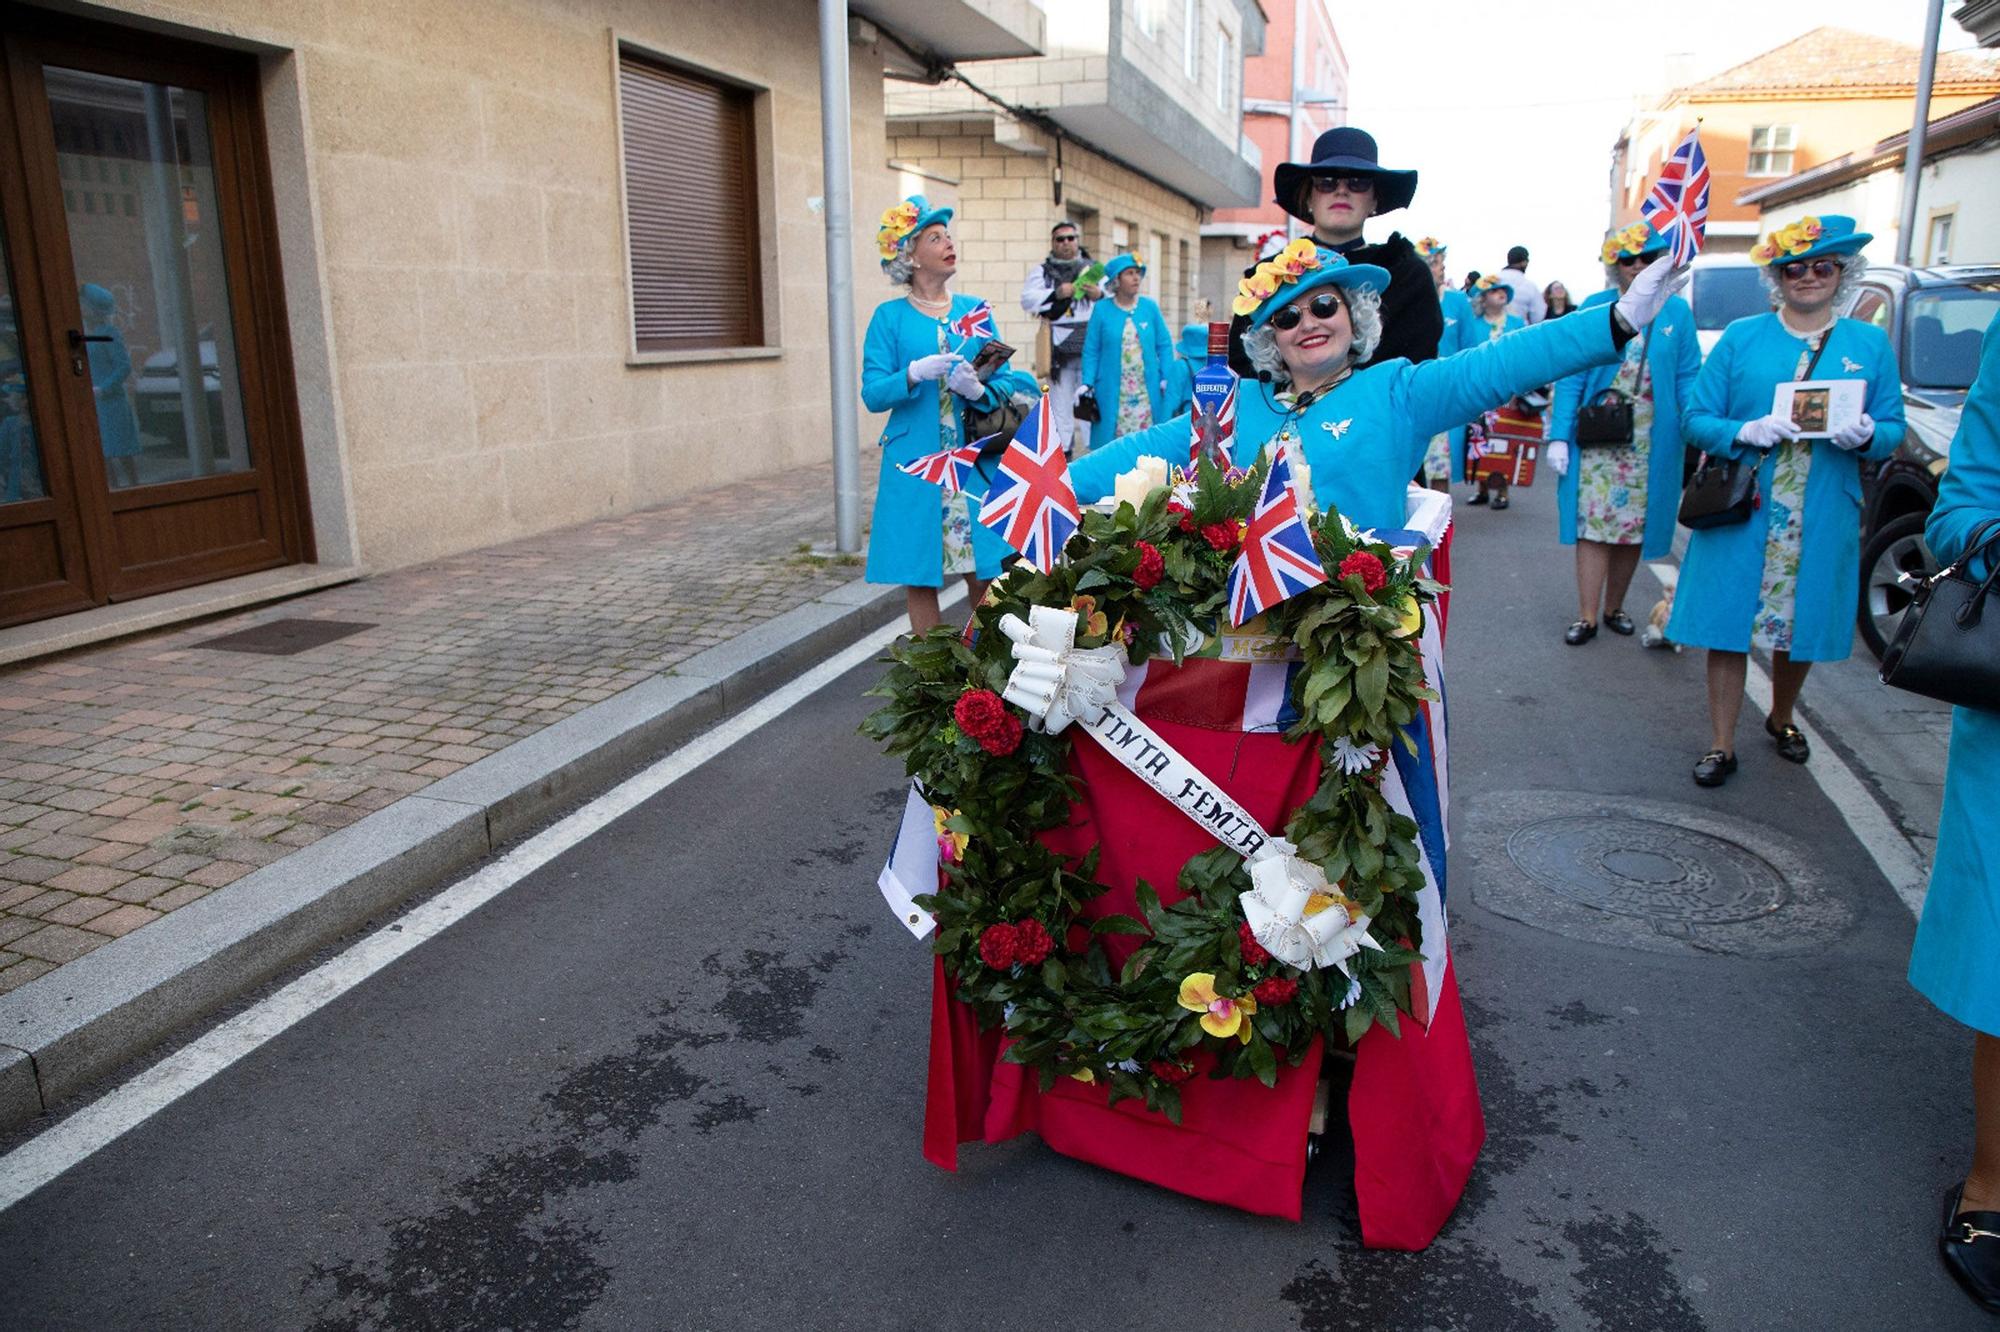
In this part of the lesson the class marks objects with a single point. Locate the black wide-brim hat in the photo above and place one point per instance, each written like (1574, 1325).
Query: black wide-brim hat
(1347, 151)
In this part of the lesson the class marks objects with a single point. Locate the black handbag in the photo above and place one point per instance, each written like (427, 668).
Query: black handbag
(1607, 423)
(1719, 494)
(1946, 648)
(1086, 408)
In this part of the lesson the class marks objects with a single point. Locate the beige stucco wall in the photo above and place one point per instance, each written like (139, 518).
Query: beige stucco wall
(464, 175)
(1003, 191)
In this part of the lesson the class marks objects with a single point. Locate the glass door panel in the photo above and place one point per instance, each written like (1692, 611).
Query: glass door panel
(22, 473)
(136, 163)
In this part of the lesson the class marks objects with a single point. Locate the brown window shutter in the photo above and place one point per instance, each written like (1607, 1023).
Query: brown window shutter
(691, 209)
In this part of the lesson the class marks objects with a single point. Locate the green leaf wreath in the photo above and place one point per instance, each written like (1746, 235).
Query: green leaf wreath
(1009, 923)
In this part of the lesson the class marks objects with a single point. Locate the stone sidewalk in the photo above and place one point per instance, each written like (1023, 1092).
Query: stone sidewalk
(140, 776)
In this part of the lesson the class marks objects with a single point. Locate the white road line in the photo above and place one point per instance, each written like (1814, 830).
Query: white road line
(1900, 862)
(46, 1156)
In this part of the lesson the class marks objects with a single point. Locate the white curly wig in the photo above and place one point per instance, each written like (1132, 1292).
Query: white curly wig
(1852, 266)
(1364, 312)
(898, 269)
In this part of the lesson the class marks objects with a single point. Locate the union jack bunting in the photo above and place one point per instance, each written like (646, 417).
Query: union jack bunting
(1031, 505)
(1277, 559)
(951, 469)
(1677, 205)
(974, 323)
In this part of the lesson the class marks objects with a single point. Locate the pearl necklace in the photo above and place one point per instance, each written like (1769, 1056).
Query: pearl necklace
(929, 307)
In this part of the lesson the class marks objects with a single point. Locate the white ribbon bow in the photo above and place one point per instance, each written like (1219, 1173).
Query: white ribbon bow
(1053, 680)
(1275, 906)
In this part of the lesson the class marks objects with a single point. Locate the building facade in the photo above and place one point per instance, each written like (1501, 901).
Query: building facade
(334, 287)
(1292, 93)
(1786, 111)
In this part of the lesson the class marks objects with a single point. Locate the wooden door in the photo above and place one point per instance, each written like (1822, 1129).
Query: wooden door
(152, 376)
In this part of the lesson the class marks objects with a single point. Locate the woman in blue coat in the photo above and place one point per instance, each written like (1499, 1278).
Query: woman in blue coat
(918, 368)
(1787, 579)
(1617, 502)
(110, 368)
(1189, 356)
(1956, 961)
(1444, 463)
(1490, 320)
(1127, 352)
(1314, 317)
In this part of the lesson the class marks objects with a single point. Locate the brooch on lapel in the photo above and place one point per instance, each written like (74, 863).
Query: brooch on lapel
(1849, 366)
(1666, 330)
(1336, 428)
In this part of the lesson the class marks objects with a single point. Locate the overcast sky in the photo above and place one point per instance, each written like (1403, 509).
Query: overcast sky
(1509, 110)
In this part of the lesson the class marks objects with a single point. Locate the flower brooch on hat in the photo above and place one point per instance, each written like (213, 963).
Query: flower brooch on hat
(1287, 266)
(1794, 238)
(1632, 240)
(1430, 247)
(897, 222)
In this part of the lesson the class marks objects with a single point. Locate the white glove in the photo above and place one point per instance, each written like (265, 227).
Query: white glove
(1766, 432)
(925, 369)
(964, 381)
(1558, 454)
(1857, 435)
(1649, 291)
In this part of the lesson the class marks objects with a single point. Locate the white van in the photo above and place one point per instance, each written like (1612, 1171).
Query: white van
(1723, 289)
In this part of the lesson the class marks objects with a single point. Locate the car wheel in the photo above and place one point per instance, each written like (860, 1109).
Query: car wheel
(1897, 548)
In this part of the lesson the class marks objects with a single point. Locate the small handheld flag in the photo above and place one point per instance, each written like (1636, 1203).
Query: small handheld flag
(974, 323)
(952, 469)
(1031, 505)
(1278, 559)
(1677, 205)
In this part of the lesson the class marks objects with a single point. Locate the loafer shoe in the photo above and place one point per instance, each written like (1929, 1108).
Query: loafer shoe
(1500, 501)
(1713, 768)
(1969, 1244)
(1579, 633)
(1478, 497)
(1791, 742)
(1618, 622)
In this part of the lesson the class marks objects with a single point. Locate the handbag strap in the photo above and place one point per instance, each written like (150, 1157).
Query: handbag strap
(1824, 338)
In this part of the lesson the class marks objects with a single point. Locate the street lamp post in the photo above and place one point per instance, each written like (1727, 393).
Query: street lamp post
(836, 153)
(1913, 157)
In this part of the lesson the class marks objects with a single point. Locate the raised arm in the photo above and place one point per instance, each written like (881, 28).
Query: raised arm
(885, 379)
(1092, 475)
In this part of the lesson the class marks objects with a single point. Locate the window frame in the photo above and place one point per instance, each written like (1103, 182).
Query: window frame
(1191, 39)
(1148, 15)
(1225, 60)
(1781, 141)
(761, 169)
(1948, 216)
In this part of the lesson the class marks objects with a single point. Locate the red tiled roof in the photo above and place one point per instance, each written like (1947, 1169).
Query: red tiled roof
(1843, 58)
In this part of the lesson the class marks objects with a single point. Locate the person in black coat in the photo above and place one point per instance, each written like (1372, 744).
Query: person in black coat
(1337, 192)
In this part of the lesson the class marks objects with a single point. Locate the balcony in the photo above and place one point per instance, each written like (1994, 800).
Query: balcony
(948, 31)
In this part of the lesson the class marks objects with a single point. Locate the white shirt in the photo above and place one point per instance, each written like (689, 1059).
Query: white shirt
(1527, 302)
(1035, 292)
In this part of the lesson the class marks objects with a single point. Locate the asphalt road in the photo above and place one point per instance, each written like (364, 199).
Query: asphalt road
(674, 1079)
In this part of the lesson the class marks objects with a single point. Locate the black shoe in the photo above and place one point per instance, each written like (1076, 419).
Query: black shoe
(1500, 501)
(1579, 633)
(1792, 746)
(1713, 768)
(1478, 498)
(1618, 622)
(1969, 1244)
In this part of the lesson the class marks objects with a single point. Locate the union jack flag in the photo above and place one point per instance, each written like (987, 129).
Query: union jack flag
(974, 323)
(1677, 205)
(1277, 560)
(952, 468)
(1031, 505)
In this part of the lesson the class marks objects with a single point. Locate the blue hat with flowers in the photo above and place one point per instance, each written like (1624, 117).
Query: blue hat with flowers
(1640, 238)
(1809, 238)
(1492, 282)
(903, 221)
(1295, 270)
(1121, 263)
(1194, 342)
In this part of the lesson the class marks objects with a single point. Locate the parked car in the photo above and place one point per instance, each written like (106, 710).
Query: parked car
(1723, 289)
(157, 390)
(1935, 318)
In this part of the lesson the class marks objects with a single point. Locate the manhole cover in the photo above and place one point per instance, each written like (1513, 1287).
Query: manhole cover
(1639, 867)
(282, 638)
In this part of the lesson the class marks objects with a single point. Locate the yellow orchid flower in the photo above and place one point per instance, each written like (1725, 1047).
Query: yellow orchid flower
(1244, 305)
(1302, 247)
(1090, 620)
(1810, 228)
(1220, 1016)
(1763, 253)
(957, 840)
(1609, 254)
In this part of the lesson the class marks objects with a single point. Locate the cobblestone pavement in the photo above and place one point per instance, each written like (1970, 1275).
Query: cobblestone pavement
(142, 775)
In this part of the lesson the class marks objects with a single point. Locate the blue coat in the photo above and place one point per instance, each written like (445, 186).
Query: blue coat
(1673, 359)
(906, 535)
(1956, 961)
(1366, 439)
(1722, 575)
(110, 367)
(1479, 332)
(1103, 339)
(1457, 336)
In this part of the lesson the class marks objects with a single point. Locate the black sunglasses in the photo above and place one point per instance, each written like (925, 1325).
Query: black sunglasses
(1819, 268)
(1634, 260)
(1066, 236)
(1323, 306)
(1354, 184)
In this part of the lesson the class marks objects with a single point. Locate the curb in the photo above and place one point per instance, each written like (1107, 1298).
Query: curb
(70, 1028)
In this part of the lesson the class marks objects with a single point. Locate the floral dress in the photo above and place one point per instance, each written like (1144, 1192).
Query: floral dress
(958, 556)
(1135, 405)
(1611, 479)
(1786, 504)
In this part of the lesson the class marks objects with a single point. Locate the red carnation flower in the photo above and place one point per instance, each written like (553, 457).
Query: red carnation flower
(1166, 1070)
(1275, 992)
(1254, 953)
(1187, 521)
(997, 945)
(1367, 568)
(1031, 942)
(981, 715)
(1220, 535)
(1152, 567)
